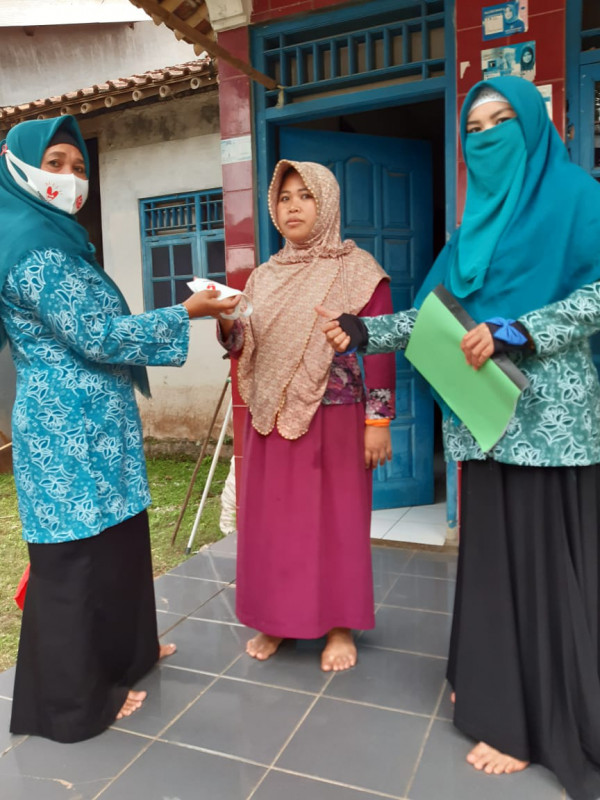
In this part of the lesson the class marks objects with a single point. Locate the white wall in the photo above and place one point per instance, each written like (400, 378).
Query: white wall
(42, 62)
(67, 12)
(7, 391)
(161, 149)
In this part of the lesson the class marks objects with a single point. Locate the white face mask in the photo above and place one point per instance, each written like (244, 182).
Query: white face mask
(67, 192)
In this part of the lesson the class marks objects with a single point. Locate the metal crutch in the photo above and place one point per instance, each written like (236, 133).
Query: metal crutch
(199, 461)
(209, 477)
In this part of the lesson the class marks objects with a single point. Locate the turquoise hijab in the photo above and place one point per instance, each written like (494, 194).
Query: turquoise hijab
(30, 223)
(530, 233)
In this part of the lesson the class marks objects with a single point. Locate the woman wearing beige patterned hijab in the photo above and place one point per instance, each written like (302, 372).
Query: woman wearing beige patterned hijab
(304, 551)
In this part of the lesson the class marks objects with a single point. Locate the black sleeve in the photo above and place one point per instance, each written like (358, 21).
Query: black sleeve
(500, 346)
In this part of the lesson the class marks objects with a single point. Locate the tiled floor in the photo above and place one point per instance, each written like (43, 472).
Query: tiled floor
(419, 524)
(219, 726)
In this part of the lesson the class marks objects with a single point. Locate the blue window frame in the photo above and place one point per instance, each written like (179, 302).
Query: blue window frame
(583, 83)
(182, 237)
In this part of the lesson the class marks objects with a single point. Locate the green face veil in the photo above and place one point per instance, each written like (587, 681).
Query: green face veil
(530, 233)
(30, 223)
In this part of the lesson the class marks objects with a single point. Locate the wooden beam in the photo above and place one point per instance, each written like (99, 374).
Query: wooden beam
(154, 9)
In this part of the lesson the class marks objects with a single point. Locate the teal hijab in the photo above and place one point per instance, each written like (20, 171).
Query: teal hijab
(30, 223)
(530, 233)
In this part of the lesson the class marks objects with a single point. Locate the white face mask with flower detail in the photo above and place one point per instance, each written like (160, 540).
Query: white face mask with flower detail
(64, 191)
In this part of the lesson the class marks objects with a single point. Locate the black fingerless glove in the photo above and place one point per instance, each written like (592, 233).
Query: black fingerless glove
(356, 329)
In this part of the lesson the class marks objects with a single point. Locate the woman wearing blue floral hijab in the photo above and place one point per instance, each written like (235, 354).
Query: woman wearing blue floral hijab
(89, 625)
(524, 655)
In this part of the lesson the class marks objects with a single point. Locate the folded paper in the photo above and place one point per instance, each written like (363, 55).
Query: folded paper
(243, 308)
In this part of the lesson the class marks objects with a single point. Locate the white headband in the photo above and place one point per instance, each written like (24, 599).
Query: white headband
(487, 94)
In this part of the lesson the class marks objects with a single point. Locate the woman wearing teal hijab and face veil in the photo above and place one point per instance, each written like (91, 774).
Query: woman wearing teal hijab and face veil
(524, 659)
(89, 620)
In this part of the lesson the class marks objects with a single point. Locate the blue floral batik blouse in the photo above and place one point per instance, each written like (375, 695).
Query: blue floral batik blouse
(78, 455)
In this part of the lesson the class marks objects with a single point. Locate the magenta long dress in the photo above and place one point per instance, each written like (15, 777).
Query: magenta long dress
(304, 555)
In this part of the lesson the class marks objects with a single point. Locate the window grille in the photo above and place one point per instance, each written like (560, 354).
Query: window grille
(182, 237)
(354, 51)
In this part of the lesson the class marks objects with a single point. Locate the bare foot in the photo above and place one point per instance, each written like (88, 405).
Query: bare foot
(166, 650)
(133, 702)
(486, 758)
(263, 646)
(339, 652)
(453, 697)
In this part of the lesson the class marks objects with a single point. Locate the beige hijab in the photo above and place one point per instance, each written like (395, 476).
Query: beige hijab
(284, 367)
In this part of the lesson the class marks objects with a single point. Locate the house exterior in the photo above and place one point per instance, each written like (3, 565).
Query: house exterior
(155, 211)
(373, 89)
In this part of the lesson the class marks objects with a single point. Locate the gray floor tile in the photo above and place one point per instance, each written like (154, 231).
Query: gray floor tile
(165, 621)
(393, 680)
(446, 709)
(426, 632)
(390, 559)
(169, 692)
(226, 546)
(42, 770)
(181, 595)
(433, 565)
(241, 719)
(221, 607)
(207, 646)
(382, 583)
(296, 665)
(7, 740)
(279, 785)
(366, 747)
(415, 591)
(168, 772)
(444, 773)
(7, 679)
(214, 567)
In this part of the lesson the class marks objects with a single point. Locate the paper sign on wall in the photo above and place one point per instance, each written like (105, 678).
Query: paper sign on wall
(504, 19)
(546, 92)
(512, 59)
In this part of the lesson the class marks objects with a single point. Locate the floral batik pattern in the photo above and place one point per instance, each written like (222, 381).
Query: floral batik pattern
(77, 439)
(557, 418)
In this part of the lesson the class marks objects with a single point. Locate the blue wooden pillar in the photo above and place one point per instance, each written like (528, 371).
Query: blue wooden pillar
(452, 504)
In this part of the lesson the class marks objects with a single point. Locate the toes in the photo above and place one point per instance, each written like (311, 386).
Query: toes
(167, 650)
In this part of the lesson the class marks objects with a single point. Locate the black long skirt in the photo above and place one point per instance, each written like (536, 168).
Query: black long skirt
(524, 653)
(88, 632)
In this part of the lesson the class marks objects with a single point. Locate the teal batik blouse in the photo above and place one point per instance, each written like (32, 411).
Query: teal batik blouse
(77, 440)
(557, 418)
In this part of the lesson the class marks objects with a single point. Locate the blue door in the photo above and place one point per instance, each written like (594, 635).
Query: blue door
(387, 210)
(589, 137)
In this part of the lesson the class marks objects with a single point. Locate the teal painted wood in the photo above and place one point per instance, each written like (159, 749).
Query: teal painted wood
(589, 76)
(583, 71)
(182, 237)
(387, 209)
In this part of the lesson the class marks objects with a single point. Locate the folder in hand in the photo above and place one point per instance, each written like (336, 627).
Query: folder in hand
(484, 399)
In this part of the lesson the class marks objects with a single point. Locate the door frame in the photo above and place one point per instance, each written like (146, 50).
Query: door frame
(267, 122)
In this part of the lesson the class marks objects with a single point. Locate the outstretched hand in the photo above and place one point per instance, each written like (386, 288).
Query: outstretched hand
(478, 345)
(206, 304)
(332, 330)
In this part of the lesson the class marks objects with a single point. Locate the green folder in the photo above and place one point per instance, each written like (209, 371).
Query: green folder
(483, 399)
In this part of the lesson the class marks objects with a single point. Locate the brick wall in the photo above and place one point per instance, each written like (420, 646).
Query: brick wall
(547, 20)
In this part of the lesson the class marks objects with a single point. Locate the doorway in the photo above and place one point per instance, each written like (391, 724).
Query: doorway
(408, 143)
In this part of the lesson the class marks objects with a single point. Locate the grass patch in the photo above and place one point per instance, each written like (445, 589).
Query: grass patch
(169, 478)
